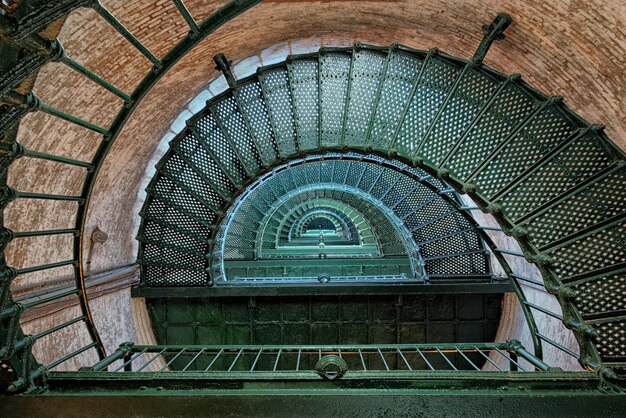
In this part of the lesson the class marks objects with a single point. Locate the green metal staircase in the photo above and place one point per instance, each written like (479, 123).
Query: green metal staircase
(552, 180)
(522, 156)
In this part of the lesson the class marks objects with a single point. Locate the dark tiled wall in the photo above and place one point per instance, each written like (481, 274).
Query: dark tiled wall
(328, 320)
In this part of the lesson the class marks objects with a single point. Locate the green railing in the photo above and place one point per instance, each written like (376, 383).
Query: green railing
(330, 362)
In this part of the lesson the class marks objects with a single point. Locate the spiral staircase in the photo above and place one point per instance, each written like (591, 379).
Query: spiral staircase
(387, 145)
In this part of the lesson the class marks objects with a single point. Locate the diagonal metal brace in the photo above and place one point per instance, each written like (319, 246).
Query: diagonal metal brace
(492, 32)
(223, 65)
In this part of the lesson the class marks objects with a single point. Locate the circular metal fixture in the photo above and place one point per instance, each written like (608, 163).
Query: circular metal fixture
(324, 278)
(331, 367)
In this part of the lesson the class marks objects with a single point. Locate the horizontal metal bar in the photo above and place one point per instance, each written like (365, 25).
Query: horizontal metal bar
(426, 347)
(29, 195)
(73, 119)
(42, 300)
(509, 252)
(526, 279)
(389, 261)
(56, 158)
(71, 355)
(95, 78)
(58, 327)
(491, 228)
(521, 351)
(451, 394)
(371, 288)
(106, 362)
(23, 234)
(112, 20)
(544, 310)
(46, 266)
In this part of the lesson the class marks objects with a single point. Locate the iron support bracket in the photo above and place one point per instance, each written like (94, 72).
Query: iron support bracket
(492, 32)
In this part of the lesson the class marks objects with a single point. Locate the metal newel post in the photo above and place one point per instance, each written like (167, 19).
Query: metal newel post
(223, 65)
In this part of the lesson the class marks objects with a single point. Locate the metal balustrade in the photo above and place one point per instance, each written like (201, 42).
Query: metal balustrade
(358, 361)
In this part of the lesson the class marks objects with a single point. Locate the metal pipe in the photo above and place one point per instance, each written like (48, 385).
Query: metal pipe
(112, 20)
(446, 359)
(46, 266)
(72, 119)
(510, 359)
(45, 196)
(488, 359)
(117, 354)
(95, 78)
(256, 359)
(214, 359)
(544, 310)
(157, 355)
(71, 355)
(56, 158)
(58, 327)
(521, 351)
(193, 26)
(468, 360)
(430, 366)
(23, 234)
(557, 345)
(509, 252)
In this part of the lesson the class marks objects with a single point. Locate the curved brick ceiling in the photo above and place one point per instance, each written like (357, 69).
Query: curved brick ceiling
(567, 48)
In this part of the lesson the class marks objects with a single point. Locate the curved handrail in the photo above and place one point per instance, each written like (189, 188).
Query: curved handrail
(25, 34)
